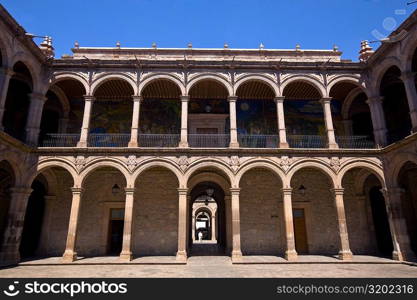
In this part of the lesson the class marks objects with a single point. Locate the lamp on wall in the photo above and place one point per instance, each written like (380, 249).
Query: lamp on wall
(302, 190)
(115, 189)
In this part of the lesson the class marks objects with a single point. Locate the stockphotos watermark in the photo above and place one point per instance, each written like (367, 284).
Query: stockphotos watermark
(72, 289)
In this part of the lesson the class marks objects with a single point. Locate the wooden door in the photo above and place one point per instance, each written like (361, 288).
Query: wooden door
(300, 231)
(116, 231)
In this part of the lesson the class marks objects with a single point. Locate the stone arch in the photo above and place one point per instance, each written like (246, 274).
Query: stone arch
(208, 176)
(312, 164)
(165, 164)
(409, 50)
(113, 76)
(57, 163)
(311, 80)
(210, 76)
(382, 69)
(165, 76)
(211, 164)
(102, 163)
(372, 167)
(354, 79)
(71, 76)
(5, 52)
(260, 78)
(349, 101)
(62, 98)
(33, 68)
(264, 164)
(398, 163)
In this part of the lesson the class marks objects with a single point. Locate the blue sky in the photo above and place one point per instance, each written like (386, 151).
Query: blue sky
(278, 24)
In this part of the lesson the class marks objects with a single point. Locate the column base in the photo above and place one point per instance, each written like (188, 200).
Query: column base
(82, 144)
(126, 256)
(69, 256)
(284, 145)
(345, 255)
(234, 145)
(333, 146)
(397, 256)
(183, 145)
(181, 256)
(291, 255)
(237, 256)
(133, 144)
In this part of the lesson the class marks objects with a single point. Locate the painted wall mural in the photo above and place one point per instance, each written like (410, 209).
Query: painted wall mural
(111, 116)
(256, 117)
(160, 116)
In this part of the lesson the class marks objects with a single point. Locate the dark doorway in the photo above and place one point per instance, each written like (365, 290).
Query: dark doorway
(116, 231)
(381, 224)
(33, 221)
(300, 232)
(219, 246)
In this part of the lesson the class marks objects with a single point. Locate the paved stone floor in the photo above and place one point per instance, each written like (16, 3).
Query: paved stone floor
(217, 267)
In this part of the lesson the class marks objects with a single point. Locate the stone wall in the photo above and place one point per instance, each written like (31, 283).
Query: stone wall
(261, 214)
(320, 211)
(156, 214)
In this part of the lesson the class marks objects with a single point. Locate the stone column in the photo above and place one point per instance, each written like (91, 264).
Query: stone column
(184, 121)
(344, 248)
(236, 251)
(410, 87)
(34, 117)
(70, 253)
(5, 75)
(279, 101)
(85, 128)
(398, 226)
(233, 122)
(378, 120)
(290, 252)
(126, 253)
(348, 127)
(15, 221)
(328, 120)
(135, 121)
(213, 227)
(182, 224)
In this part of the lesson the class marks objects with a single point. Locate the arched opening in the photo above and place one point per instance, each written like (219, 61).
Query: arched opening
(351, 116)
(208, 117)
(47, 214)
(160, 114)
(102, 213)
(155, 230)
(63, 114)
(407, 182)
(395, 104)
(7, 181)
(204, 221)
(256, 115)
(18, 101)
(315, 219)
(414, 66)
(111, 116)
(261, 226)
(304, 116)
(366, 215)
(209, 196)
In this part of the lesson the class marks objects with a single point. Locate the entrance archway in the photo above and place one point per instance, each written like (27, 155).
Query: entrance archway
(207, 199)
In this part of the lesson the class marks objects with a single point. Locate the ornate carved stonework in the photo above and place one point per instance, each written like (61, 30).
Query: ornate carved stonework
(234, 162)
(80, 162)
(285, 162)
(335, 164)
(132, 162)
(183, 162)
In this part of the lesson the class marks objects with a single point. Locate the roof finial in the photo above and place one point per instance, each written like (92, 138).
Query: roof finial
(261, 46)
(190, 45)
(154, 45)
(365, 52)
(76, 45)
(297, 47)
(118, 44)
(226, 46)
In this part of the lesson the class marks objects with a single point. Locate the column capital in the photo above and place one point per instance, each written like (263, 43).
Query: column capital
(76, 190)
(337, 191)
(21, 190)
(182, 191)
(325, 100)
(185, 98)
(6, 71)
(279, 99)
(408, 75)
(287, 191)
(393, 191)
(232, 98)
(89, 98)
(374, 100)
(235, 191)
(130, 190)
(38, 96)
(137, 98)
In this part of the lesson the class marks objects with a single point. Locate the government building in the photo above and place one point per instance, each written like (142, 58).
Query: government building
(180, 152)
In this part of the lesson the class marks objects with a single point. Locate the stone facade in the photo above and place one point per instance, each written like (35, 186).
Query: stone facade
(261, 185)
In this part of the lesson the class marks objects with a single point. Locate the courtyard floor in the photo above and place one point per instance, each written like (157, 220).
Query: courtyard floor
(214, 267)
